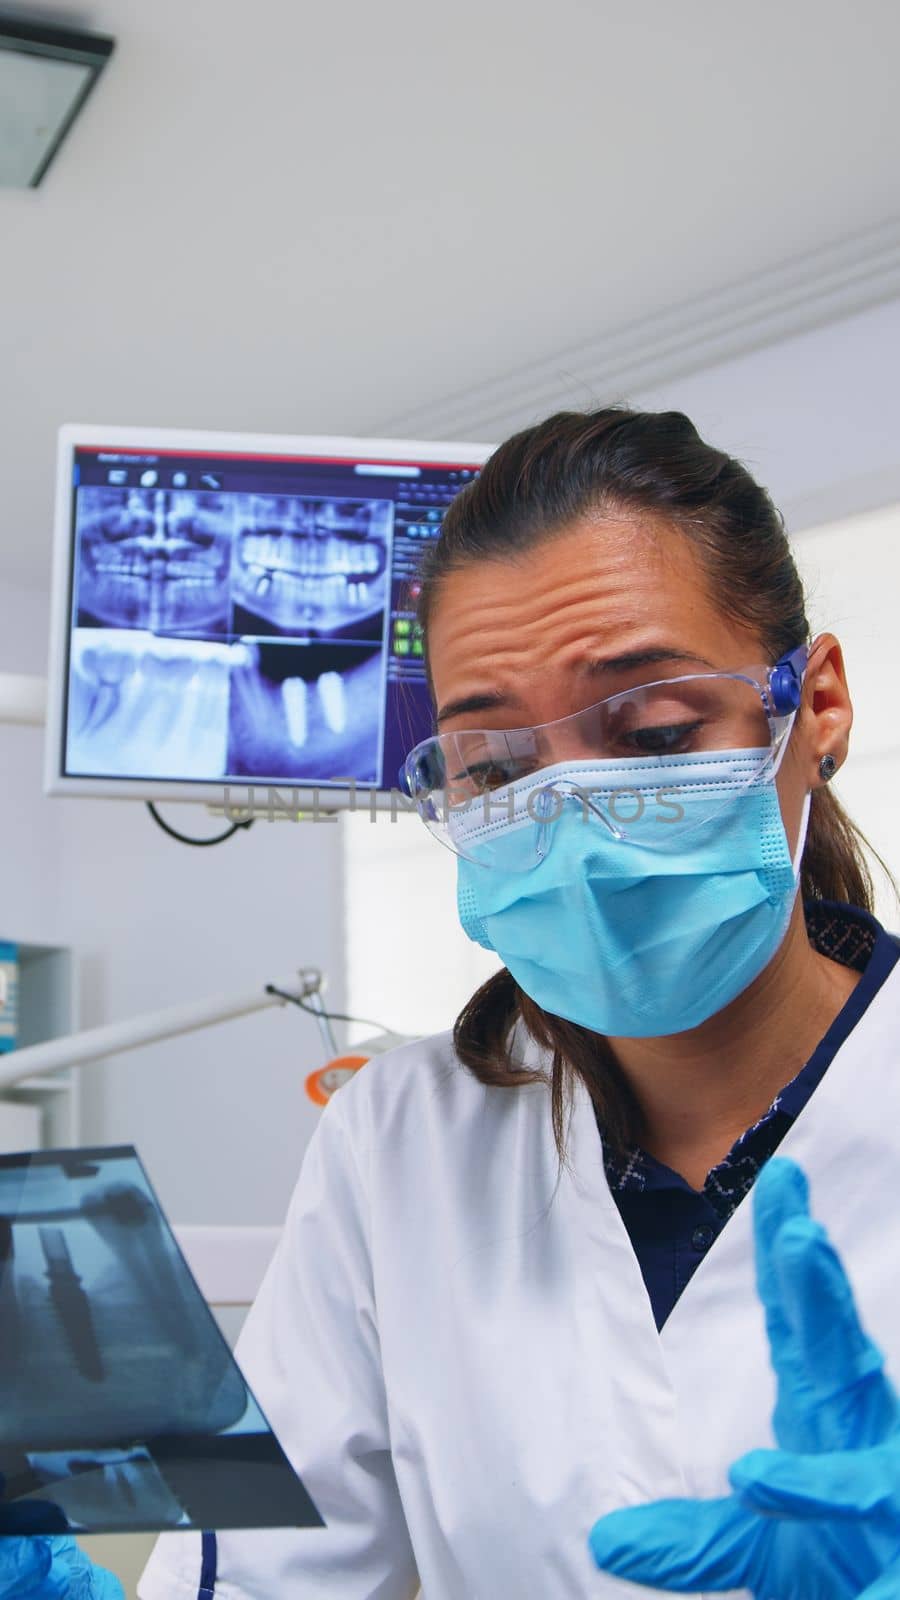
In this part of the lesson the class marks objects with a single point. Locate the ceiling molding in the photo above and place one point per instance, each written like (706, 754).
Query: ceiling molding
(790, 299)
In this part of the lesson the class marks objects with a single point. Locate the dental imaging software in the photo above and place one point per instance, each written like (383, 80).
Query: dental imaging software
(245, 617)
(121, 1406)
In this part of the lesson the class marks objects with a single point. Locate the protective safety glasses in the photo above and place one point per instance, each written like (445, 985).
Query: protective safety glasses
(645, 765)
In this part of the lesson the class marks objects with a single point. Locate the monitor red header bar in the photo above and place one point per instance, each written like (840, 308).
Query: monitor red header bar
(248, 456)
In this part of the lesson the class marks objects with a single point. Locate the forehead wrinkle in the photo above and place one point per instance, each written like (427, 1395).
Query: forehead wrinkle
(565, 635)
(493, 631)
(513, 670)
(567, 611)
(563, 589)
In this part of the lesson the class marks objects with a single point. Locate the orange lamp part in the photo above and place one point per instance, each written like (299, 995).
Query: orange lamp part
(321, 1084)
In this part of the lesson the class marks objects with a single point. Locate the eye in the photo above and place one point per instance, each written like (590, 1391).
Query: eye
(481, 776)
(663, 738)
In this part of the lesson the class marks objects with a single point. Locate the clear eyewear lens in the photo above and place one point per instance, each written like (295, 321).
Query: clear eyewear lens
(647, 764)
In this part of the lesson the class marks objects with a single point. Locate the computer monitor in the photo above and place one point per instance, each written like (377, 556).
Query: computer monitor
(237, 611)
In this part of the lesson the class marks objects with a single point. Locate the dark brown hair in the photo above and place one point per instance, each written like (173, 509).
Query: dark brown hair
(539, 483)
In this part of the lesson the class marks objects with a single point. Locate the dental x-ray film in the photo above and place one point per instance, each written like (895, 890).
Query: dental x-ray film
(121, 1405)
(241, 617)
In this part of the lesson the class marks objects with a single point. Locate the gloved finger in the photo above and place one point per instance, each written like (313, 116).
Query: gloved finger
(780, 1194)
(87, 1582)
(837, 1379)
(106, 1586)
(887, 1587)
(680, 1545)
(851, 1484)
(25, 1565)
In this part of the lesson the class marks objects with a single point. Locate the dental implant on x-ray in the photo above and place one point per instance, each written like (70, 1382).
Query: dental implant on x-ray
(158, 559)
(332, 699)
(306, 712)
(314, 567)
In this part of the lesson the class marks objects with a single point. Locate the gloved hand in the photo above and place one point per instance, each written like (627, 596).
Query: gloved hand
(818, 1519)
(37, 1568)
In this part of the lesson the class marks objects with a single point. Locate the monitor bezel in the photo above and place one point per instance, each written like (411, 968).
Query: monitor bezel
(216, 793)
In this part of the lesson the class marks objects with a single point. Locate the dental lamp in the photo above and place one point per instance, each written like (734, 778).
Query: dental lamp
(304, 989)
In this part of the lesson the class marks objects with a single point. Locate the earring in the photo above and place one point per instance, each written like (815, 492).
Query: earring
(827, 768)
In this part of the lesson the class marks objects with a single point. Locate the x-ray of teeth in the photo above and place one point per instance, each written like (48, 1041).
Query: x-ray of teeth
(306, 712)
(158, 559)
(144, 706)
(311, 567)
(112, 1486)
(120, 1403)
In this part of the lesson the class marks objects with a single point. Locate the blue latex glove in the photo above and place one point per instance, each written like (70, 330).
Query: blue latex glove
(818, 1519)
(36, 1568)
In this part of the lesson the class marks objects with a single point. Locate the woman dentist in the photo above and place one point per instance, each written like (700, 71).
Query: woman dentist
(470, 1351)
(512, 1338)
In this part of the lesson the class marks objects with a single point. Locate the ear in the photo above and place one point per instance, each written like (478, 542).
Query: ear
(826, 714)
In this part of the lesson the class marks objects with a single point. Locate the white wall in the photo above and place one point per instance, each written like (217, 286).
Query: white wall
(409, 964)
(29, 824)
(220, 1117)
(852, 572)
(816, 418)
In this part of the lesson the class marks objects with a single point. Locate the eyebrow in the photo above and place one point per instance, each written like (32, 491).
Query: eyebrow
(493, 699)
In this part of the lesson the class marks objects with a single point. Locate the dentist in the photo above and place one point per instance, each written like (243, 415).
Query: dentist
(516, 1291)
(521, 1338)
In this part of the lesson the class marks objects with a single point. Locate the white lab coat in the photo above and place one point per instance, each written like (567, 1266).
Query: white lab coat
(463, 1365)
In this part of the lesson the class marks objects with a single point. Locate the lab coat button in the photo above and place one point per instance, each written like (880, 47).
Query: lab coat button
(702, 1237)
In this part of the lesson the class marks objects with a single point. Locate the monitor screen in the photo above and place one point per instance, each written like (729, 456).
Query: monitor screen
(236, 612)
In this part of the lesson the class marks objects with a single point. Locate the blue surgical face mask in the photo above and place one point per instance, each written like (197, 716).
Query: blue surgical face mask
(649, 934)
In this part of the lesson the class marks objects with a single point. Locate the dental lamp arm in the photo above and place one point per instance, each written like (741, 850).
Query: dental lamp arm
(23, 699)
(92, 1044)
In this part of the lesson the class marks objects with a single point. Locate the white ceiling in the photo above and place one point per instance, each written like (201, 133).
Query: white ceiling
(290, 217)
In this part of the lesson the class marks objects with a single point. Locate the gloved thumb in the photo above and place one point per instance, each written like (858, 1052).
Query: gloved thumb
(850, 1484)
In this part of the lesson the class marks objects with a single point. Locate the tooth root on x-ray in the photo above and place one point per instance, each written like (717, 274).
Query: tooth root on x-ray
(333, 700)
(106, 670)
(293, 695)
(104, 703)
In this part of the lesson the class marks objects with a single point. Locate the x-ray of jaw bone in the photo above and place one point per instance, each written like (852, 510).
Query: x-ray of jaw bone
(304, 713)
(106, 1487)
(153, 1366)
(154, 558)
(158, 1428)
(142, 706)
(310, 566)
